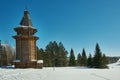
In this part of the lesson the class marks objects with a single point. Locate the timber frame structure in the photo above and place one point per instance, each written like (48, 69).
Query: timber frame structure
(26, 54)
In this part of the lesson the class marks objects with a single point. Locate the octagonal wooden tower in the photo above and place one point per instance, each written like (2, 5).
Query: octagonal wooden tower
(26, 56)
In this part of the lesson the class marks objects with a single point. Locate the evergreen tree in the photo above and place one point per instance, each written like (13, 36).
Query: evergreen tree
(55, 51)
(104, 61)
(79, 59)
(90, 61)
(49, 55)
(56, 54)
(84, 58)
(40, 53)
(62, 55)
(72, 61)
(97, 57)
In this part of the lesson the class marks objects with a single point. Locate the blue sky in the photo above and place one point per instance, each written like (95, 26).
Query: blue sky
(77, 24)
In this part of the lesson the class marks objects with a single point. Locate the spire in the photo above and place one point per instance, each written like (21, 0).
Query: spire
(26, 19)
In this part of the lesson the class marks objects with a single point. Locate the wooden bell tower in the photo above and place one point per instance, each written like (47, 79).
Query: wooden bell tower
(26, 56)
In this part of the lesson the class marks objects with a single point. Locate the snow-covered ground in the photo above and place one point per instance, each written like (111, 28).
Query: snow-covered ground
(115, 65)
(61, 73)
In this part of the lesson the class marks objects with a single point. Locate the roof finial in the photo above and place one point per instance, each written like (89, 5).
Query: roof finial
(26, 19)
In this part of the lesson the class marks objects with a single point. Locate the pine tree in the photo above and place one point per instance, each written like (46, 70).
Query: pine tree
(90, 61)
(84, 58)
(55, 51)
(72, 61)
(62, 55)
(49, 55)
(79, 59)
(55, 54)
(97, 60)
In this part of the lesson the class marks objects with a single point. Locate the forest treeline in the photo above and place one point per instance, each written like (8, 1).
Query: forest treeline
(55, 55)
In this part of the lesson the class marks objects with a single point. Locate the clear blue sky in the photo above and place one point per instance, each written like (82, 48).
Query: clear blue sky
(77, 24)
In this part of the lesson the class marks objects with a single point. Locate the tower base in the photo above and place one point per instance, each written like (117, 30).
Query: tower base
(29, 64)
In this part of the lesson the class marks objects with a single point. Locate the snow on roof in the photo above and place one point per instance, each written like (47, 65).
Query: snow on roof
(40, 61)
(33, 60)
(4, 44)
(26, 26)
(16, 61)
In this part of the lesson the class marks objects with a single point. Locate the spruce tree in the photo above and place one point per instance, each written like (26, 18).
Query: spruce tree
(40, 53)
(97, 57)
(79, 59)
(84, 58)
(72, 61)
(90, 61)
(104, 61)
